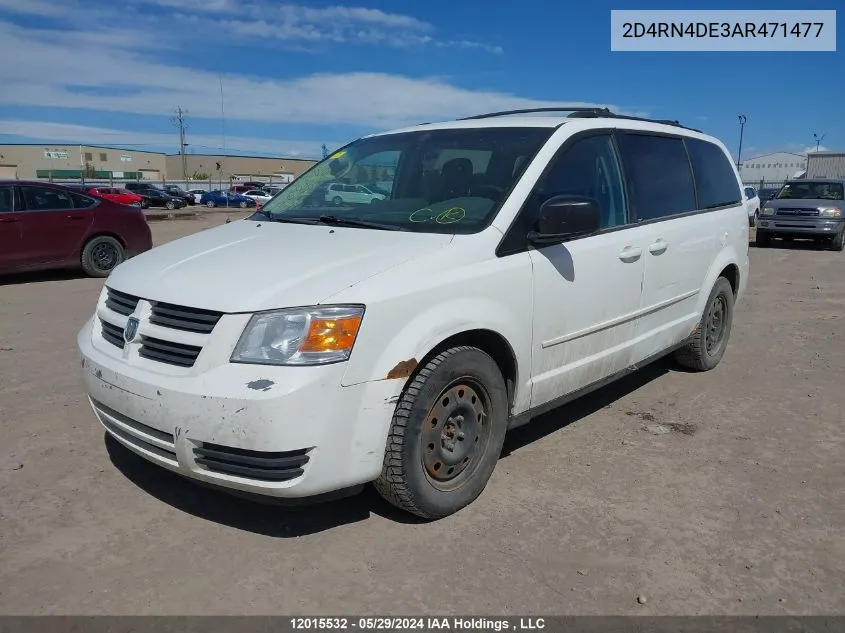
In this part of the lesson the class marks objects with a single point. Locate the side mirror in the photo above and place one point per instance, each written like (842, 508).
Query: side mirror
(564, 217)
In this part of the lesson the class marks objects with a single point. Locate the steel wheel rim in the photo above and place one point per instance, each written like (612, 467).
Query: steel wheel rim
(714, 327)
(104, 256)
(455, 434)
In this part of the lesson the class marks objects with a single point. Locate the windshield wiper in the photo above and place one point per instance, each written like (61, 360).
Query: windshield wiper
(336, 221)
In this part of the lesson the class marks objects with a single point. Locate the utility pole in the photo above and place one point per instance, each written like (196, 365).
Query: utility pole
(742, 120)
(179, 121)
(325, 150)
(818, 139)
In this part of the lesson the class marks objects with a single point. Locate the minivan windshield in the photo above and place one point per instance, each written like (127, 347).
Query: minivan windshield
(809, 190)
(432, 181)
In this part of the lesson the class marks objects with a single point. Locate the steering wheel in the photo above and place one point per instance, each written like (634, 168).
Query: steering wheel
(494, 192)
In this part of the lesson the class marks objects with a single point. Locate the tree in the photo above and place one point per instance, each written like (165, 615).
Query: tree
(200, 175)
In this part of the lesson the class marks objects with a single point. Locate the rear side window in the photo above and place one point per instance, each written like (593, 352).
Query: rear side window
(658, 175)
(715, 180)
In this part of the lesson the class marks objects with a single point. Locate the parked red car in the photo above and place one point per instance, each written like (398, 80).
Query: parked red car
(45, 226)
(115, 194)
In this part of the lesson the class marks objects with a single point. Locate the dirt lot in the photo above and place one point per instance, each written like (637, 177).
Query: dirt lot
(737, 509)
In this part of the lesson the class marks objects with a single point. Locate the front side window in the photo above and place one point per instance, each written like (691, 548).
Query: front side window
(715, 180)
(657, 171)
(7, 199)
(432, 181)
(589, 167)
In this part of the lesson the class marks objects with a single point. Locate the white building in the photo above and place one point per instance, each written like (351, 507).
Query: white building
(773, 168)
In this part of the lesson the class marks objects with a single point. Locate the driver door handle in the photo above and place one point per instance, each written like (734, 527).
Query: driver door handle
(659, 247)
(630, 254)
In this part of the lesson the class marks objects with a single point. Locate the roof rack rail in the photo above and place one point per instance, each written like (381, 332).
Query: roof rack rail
(612, 115)
(585, 111)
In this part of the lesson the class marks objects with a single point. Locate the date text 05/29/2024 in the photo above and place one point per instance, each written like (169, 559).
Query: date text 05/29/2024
(429, 623)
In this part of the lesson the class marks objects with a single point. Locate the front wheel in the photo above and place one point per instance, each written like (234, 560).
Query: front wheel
(242, 205)
(337, 200)
(838, 242)
(709, 341)
(763, 239)
(446, 435)
(754, 219)
(170, 205)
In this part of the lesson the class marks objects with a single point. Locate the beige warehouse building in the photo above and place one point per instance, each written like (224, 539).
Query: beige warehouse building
(30, 161)
(226, 168)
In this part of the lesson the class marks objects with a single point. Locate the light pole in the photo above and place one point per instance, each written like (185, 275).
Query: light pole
(742, 119)
(818, 139)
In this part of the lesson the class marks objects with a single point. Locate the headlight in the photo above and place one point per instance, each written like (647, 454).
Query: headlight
(299, 336)
(830, 212)
(768, 210)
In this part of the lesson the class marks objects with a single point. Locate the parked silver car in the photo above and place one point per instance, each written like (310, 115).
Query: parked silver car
(813, 209)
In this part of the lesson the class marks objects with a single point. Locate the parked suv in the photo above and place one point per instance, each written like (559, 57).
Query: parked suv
(342, 193)
(812, 209)
(178, 192)
(517, 263)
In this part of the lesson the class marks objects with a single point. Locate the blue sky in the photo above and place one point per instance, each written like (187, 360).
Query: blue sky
(297, 75)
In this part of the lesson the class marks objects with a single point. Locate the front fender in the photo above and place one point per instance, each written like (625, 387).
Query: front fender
(399, 331)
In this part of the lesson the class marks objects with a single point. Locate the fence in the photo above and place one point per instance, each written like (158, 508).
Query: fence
(765, 184)
(186, 185)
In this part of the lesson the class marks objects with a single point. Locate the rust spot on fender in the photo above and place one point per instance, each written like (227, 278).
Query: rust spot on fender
(402, 369)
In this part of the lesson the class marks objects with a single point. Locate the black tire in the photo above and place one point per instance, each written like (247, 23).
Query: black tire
(145, 204)
(242, 205)
(170, 205)
(430, 467)
(709, 341)
(763, 239)
(337, 200)
(838, 242)
(754, 219)
(101, 255)
(211, 204)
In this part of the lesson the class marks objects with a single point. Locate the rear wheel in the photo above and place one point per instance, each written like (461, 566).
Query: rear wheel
(447, 434)
(210, 204)
(101, 255)
(337, 200)
(170, 205)
(708, 342)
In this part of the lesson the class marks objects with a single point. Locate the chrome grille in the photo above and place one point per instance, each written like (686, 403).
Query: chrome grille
(113, 334)
(181, 318)
(168, 351)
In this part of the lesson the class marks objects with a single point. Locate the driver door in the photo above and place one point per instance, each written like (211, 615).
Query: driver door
(587, 291)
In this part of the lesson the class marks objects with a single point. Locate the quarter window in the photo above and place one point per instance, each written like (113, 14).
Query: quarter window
(589, 167)
(657, 172)
(715, 180)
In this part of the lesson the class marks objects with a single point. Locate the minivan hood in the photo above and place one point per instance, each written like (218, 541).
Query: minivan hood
(247, 266)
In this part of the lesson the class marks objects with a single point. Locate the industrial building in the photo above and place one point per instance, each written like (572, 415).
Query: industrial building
(34, 161)
(826, 165)
(227, 168)
(773, 168)
(30, 161)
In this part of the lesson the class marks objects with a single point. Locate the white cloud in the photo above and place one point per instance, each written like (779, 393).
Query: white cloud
(57, 64)
(198, 144)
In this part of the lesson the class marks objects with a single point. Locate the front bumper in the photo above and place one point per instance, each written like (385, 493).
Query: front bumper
(798, 226)
(275, 431)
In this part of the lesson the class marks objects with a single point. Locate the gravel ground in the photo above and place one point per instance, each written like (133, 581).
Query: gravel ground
(717, 493)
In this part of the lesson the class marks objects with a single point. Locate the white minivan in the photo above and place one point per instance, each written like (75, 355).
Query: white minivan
(520, 260)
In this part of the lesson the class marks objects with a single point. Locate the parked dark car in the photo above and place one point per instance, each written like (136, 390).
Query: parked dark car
(154, 196)
(173, 190)
(226, 199)
(767, 193)
(44, 226)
